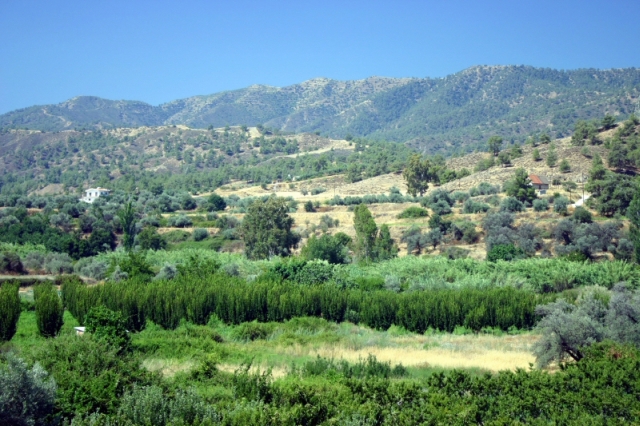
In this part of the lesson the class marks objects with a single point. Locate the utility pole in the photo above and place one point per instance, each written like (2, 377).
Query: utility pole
(582, 179)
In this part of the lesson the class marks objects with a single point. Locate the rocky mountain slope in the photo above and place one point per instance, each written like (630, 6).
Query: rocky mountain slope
(451, 114)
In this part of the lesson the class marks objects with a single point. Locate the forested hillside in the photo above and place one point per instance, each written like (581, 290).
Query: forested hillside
(451, 114)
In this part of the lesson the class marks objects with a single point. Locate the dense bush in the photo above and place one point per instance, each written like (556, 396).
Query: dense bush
(582, 215)
(505, 252)
(108, 326)
(91, 375)
(10, 262)
(200, 234)
(10, 309)
(49, 310)
(413, 212)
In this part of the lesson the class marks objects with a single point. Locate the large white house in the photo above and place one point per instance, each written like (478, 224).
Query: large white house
(92, 194)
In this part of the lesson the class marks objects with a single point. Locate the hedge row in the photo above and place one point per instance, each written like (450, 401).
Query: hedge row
(235, 301)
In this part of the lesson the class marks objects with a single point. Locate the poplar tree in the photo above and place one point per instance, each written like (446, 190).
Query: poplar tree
(9, 310)
(49, 310)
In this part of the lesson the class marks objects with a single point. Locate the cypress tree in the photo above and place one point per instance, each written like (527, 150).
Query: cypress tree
(9, 310)
(49, 310)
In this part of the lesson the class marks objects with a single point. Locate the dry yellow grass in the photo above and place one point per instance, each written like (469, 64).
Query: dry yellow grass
(486, 352)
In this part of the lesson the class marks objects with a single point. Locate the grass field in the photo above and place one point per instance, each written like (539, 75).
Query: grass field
(290, 345)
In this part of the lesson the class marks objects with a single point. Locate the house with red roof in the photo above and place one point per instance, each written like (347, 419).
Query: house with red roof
(539, 182)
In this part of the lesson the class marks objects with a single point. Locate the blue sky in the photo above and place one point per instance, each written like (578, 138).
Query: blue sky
(158, 51)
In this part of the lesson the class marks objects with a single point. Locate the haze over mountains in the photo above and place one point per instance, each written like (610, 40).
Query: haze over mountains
(438, 115)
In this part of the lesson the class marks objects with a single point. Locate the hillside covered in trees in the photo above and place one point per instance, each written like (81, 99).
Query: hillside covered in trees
(451, 114)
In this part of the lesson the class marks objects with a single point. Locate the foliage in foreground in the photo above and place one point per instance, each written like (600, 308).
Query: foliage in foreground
(27, 395)
(600, 389)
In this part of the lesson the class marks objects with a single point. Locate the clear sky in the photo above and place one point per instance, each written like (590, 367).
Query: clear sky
(158, 51)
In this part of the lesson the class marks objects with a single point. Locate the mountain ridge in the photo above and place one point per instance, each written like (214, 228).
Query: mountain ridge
(452, 113)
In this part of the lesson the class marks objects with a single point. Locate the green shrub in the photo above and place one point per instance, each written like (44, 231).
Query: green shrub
(108, 326)
(540, 205)
(10, 262)
(250, 331)
(332, 249)
(10, 309)
(200, 234)
(560, 205)
(470, 206)
(582, 215)
(413, 212)
(91, 375)
(506, 252)
(149, 239)
(308, 207)
(511, 204)
(216, 203)
(49, 310)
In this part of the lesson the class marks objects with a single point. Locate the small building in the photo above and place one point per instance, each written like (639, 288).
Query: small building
(92, 194)
(80, 330)
(539, 182)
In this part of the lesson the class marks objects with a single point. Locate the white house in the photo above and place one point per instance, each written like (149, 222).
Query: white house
(92, 194)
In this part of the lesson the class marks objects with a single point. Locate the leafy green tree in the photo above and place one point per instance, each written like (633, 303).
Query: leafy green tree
(564, 166)
(216, 203)
(127, 217)
(552, 156)
(495, 145)
(520, 186)
(266, 229)
(418, 174)
(49, 310)
(10, 309)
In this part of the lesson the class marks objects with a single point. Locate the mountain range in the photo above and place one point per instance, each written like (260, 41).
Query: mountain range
(454, 113)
